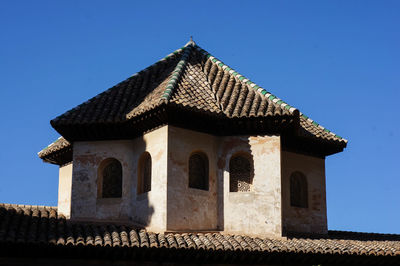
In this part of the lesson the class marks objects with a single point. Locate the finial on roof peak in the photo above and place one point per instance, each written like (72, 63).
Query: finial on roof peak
(191, 42)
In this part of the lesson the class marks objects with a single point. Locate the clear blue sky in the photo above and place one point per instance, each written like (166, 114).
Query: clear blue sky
(337, 61)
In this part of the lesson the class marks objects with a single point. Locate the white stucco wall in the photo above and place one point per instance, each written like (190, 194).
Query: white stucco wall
(257, 212)
(314, 218)
(190, 209)
(64, 190)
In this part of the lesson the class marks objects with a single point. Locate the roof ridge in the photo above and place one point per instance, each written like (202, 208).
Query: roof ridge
(277, 101)
(177, 51)
(177, 72)
(264, 92)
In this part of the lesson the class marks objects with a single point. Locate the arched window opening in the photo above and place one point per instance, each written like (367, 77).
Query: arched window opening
(298, 190)
(240, 173)
(198, 171)
(110, 173)
(144, 173)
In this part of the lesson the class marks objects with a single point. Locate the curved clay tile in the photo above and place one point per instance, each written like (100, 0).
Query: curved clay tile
(41, 225)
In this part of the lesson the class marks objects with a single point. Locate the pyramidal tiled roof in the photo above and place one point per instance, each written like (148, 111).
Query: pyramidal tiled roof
(189, 77)
(192, 79)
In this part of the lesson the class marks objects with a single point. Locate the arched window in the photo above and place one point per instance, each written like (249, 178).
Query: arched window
(240, 173)
(144, 173)
(298, 190)
(110, 179)
(198, 171)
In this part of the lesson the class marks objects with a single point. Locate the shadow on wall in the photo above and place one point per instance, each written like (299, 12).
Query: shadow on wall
(140, 91)
(235, 171)
(122, 172)
(144, 190)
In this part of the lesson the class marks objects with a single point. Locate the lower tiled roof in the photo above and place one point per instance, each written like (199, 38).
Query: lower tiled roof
(55, 146)
(308, 128)
(58, 152)
(40, 225)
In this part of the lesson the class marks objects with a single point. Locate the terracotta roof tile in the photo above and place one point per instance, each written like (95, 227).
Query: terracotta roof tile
(193, 89)
(310, 128)
(131, 97)
(196, 73)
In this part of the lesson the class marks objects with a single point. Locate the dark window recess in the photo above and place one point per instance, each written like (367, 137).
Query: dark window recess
(240, 174)
(112, 179)
(144, 180)
(198, 171)
(298, 190)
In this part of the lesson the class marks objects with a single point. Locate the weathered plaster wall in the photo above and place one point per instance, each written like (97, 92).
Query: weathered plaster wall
(172, 206)
(257, 212)
(311, 219)
(64, 190)
(87, 157)
(188, 208)
(148, 209)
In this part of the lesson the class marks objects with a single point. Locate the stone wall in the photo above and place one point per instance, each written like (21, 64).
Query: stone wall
(311, 219)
